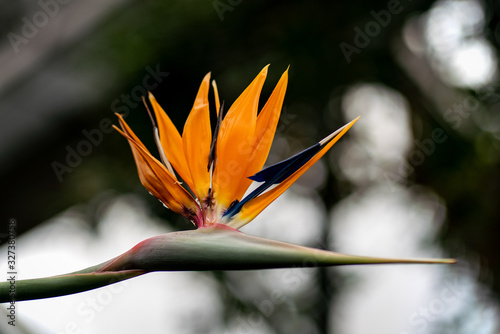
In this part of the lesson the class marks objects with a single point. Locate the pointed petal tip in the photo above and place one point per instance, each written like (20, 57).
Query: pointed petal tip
(415, 261)
(284, 173)
(447, 261)
(336, 132)
(152, 98)
(285, 74)
(265, 69)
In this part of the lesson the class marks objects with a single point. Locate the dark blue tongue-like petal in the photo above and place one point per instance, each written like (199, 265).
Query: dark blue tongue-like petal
(279, 172)
(286, 167)
(274, 174)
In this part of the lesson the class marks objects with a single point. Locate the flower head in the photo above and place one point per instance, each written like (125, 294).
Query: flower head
(212, 174)
(203, 175)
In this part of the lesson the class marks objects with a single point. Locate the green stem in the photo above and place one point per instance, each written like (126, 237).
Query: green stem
(83, 280)
(211, 248)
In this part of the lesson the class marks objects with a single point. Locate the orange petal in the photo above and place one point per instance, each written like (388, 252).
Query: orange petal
(235, 142)
(255, 206)
(171, 142)
(264, 132)
(157, 179)
(197, 138)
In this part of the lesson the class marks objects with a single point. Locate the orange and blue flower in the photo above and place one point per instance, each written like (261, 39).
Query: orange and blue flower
(203, 175)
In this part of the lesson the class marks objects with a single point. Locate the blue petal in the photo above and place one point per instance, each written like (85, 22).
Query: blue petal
(286, 167)
(279, 172)
(274, 174)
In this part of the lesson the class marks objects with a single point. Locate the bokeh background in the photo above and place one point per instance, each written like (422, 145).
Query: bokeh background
(417, 176)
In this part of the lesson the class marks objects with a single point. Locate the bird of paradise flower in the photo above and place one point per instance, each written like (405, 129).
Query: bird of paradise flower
(219, 168)
(204, 177)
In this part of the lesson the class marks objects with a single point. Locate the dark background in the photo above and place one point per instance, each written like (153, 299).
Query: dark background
(71, 74)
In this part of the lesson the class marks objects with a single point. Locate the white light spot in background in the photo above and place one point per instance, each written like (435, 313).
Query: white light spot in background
(459, 52)
(164, 302)
(473, 64)
(382, 136)
(400, 299)
(293, 217)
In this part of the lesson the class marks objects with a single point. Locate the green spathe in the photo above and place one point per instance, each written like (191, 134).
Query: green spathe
(223, 248)
(218, 247)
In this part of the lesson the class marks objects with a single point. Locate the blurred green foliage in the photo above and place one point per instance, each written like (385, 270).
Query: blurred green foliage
(188, 39)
